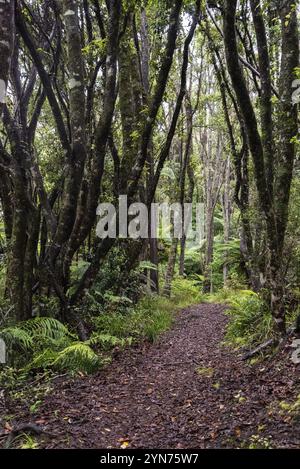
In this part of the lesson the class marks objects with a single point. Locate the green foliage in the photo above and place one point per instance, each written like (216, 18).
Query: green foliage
(45, 327)
(258, 442)
(114, 289)
(2, 237)
(77, 357)
(293, 233)
(146, 320)
(159, 322)
(78, 269)
(3, 306)
(250, 319)
(146, 265)
(47, 343)
(151, 316)
(192, 263)
(291, 408)
(42, 360)
(227, 254)
(186, 292)
(156, 318)
(16, 337)
(95, 48)
(27, 441)
(108, 341)
(168, 173)
(224, 295)
(27, 338)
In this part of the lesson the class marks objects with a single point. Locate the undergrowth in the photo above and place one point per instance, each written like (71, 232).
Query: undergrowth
(250, 320)
(44, 343)
(150, 317)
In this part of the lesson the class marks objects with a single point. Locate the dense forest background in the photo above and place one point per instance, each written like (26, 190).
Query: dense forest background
(163, 101)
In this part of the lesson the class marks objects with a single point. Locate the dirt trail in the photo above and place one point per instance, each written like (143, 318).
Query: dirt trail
(187, 390)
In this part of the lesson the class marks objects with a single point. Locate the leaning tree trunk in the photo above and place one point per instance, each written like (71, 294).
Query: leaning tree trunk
(240, 160)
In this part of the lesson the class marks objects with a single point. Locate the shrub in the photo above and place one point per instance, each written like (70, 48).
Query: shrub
(146, 320)
(186, 292)
(156, 323)
(192, 264)
(250, 319)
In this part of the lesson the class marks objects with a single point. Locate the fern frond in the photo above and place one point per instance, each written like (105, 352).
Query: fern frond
(146, 265)
(77, 357)
(15, 336)
(43, 360)
(45, 327)
(249, 293)
(108, 341)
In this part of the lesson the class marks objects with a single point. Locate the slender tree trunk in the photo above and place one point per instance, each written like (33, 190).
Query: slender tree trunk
(170, 268)
(227, 210)
(209, 253)
(5, 198)
(91, 185)
(30, 260)
(186, 171)
(76, 160)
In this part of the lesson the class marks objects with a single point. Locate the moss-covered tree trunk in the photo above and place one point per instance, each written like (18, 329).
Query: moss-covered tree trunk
(21, 209)
(7, 28)
(273, 196)
(78, 152)
(288, 130)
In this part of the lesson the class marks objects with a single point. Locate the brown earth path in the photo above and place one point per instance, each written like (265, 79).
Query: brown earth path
(188, 390)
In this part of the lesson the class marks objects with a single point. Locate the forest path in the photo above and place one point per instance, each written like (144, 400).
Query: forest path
(187, 390)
